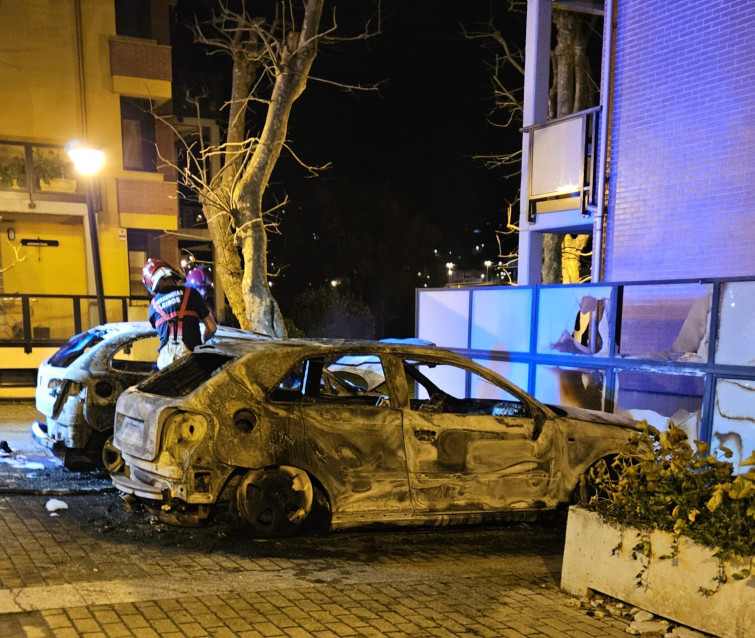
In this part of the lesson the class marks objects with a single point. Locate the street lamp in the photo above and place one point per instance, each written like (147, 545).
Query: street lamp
(88, 162)
(487, 263)
(450, 268)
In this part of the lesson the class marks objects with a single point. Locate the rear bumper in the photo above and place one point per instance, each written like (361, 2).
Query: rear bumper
(137, 488)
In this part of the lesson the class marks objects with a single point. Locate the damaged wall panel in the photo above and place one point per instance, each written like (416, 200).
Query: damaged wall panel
(574, 320)
(734, 418)
(667, 322)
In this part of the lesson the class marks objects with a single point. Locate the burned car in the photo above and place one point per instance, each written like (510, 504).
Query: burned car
(78, 385)
(285, 435)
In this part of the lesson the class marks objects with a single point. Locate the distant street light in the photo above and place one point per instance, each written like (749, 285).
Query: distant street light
(487, 263)
(88, 162)
(450, 268)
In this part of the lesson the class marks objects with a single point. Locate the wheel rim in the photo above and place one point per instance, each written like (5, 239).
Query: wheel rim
(111, 457)
(275, 502)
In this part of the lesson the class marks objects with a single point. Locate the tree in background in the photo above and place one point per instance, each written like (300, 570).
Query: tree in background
(330, 313)
(272, 56)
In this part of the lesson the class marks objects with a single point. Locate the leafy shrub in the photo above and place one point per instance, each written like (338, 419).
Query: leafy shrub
(673, 488)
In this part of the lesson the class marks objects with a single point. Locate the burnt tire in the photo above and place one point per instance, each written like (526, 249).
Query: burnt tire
(276, 501)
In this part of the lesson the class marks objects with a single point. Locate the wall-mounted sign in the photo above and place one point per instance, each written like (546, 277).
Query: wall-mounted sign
(40, 242)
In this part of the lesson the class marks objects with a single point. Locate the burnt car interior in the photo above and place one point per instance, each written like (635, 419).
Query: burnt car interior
(323, 379)
(138, 356)
(186, 375)
(438, 400)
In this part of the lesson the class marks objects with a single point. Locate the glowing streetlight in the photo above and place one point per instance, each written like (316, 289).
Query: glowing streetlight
(487, 263)
(450, 268)
(88, 161)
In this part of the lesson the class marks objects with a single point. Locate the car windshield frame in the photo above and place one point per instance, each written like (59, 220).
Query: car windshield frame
(75, 347)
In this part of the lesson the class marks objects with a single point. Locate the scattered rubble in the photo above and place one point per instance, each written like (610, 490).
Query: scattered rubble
(643, 623)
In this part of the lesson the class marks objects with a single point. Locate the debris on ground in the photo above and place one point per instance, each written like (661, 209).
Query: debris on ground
(643, 623)
(54, 504)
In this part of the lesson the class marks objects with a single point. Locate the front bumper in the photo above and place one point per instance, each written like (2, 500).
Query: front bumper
(41, 437)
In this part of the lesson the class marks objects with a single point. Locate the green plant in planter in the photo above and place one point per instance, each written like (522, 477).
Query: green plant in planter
(675, 488)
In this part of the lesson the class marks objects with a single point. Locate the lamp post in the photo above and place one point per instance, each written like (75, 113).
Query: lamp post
(487, 265)
(450, 268)
(88, 162)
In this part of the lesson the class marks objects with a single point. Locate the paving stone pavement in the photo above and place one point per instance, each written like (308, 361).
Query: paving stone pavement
(95, 569)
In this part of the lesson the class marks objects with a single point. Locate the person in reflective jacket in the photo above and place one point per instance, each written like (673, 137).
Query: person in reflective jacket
(177, 312)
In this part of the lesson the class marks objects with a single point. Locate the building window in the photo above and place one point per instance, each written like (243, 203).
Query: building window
(138, 132)
(142, 244)
(132, 18)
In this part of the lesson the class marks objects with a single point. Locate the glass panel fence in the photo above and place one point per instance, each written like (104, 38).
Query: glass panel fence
(501, 319)
(734, 419)
(574, 320)
(669, 322)
(575, 387)
(659, 397)
(736, 338)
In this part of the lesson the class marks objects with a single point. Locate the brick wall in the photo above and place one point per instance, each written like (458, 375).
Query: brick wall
(140, 59)
(147, 198)
(682, 184)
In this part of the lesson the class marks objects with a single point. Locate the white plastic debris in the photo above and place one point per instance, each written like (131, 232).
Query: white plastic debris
(53, 505)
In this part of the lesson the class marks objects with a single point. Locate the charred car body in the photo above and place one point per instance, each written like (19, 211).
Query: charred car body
(286, 434)
(77, 387)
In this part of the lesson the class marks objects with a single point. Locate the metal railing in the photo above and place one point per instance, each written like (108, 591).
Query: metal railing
(562, 161)
(34, 321)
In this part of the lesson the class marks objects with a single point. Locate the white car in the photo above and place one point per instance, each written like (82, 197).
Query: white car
(77, 387)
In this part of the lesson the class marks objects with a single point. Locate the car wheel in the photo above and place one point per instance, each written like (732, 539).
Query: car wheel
(112, 460)
(276, 501)
(596, 483)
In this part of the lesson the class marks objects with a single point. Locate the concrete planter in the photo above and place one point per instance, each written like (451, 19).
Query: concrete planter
(598, 556)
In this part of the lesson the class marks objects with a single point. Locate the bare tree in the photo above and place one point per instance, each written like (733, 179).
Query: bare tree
(506, 61)
(272, 57)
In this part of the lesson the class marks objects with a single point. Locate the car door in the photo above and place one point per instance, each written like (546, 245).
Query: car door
(355, 441)
(472, 445)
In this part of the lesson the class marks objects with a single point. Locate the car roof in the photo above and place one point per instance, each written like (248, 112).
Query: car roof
(314, 346)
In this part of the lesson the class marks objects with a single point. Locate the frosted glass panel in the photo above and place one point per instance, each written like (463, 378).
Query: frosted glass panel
(501, 319)
(668, 322)
(736, 337)
(516, 373)
(658, 398)
(579, 388)
(557, 158)
(734, 418)
(443, 317)
(572, 318)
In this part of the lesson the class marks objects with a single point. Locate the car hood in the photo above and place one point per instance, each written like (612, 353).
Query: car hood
(594, 416)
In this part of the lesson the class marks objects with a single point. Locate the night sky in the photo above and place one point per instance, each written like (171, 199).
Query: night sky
(403, 182)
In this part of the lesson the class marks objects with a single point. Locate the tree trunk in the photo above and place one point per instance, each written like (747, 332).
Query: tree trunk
(570, 93)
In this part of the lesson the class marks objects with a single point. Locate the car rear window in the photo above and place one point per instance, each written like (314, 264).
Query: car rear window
(75, 347)
(185, 375)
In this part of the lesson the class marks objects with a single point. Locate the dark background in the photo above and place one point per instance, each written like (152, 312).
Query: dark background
(403, 182)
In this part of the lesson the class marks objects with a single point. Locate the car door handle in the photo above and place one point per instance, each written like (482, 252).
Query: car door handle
(425, 435)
